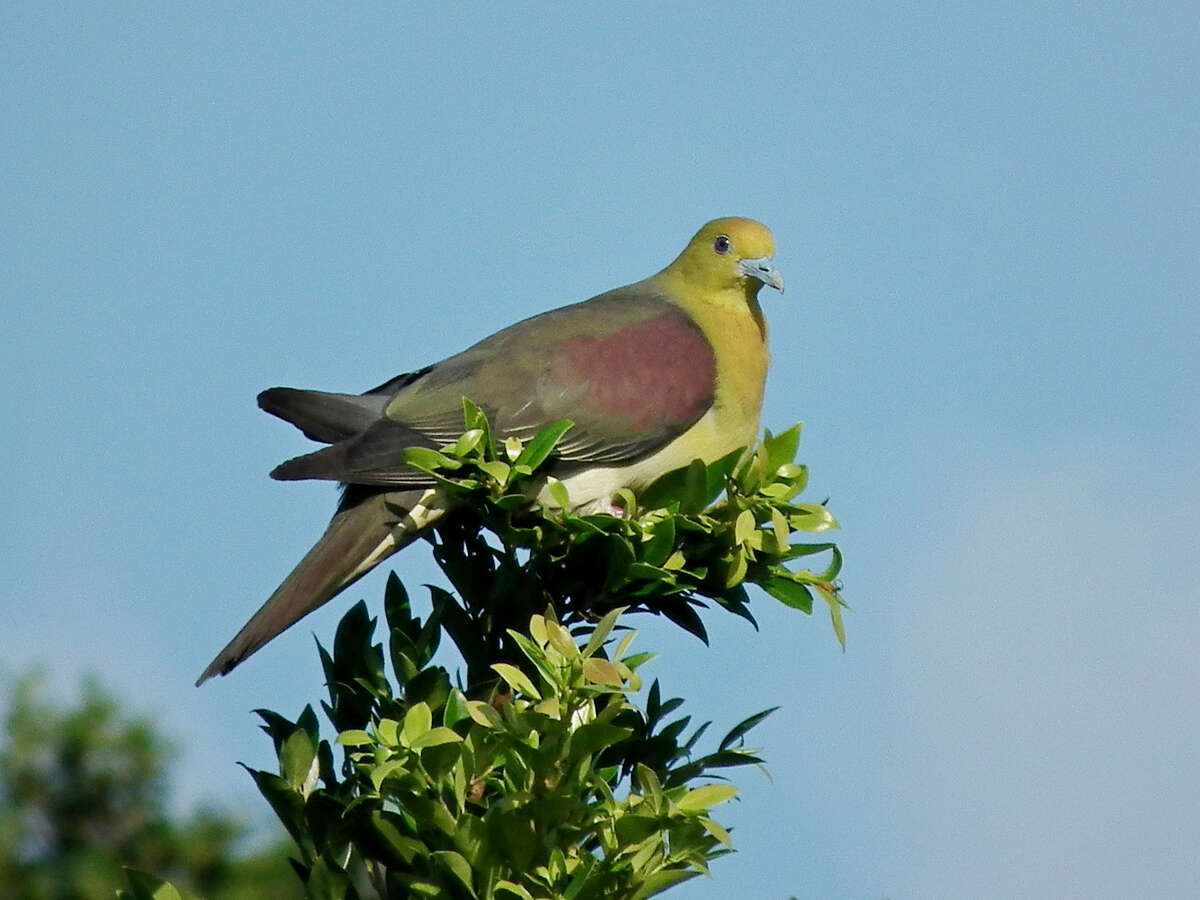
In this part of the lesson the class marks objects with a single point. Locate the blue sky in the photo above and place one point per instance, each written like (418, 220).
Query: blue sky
(989, 218)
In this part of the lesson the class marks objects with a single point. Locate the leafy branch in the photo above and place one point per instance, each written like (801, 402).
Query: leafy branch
(532, 773)
(695, 537)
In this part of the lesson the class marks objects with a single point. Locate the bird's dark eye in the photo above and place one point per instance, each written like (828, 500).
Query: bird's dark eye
(721, 244)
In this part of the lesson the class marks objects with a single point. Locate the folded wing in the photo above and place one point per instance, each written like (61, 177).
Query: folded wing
(631, 369)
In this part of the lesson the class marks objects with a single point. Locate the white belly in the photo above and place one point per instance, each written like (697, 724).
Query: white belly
(592, 490)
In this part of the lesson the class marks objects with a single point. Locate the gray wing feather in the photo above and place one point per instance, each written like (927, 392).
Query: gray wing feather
(369, 433)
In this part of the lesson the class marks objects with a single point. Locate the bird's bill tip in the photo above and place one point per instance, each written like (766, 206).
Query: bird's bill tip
(763, 269)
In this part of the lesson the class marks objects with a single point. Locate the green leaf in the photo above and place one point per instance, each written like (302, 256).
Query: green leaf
(591, 737)
(835, 566)
(455, 709)
(380, 773)
(835, 611)
(750, 471)
(675, 561)
(795, 551)
(498, 471)
(582, 874)
(484, 714)
(388, 731)
(474, 417)
(716, 831)
(417, 721)
(740, 729)
(543, 444)
(517, 680)
(430, 812)
(456, 865)
(632, 828)
(435, 737)
(780, 530)
(737, 568)
(718, 475)
(812, 517)
(516, 890)
(602, 630)
(704, 798)
(626, 502)
(558, 493)
(640, 571)
(788, 591)
(687, 486)
(326, 881)
(619, 556)
(623, 646)
(468, 443)
(601, 671)
(427, 460)
(695, 488)
(388, 827)
(149, 887)
(287, 802)
(299, 762)
(560, 640)
(743, 527)
(649, 785)
(781, 448)
(660, 881)
(354, 738)
(661, 543)
(534, 653)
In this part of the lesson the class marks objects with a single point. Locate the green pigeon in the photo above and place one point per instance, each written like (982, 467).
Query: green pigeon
(653, 375)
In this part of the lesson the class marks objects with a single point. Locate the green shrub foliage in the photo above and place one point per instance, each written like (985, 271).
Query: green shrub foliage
(531, 773)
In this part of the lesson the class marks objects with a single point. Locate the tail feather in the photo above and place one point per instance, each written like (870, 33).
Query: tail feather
(356, 541)
(323, 416)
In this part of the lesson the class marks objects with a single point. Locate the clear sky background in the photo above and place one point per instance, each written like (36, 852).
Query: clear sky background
(989, 219)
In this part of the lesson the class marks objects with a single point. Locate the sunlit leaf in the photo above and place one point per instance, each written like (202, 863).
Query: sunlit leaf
(543, 444)
(435, 737)
(601, 671)
(427, 460)
(417, 721)
(602, 630)
(517, 680)
(781, 448)
(704, 798)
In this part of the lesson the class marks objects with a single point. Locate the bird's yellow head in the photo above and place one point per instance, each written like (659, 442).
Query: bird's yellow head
(728, 254)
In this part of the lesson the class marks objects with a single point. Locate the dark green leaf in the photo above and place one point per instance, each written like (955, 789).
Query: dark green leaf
(284, 799)
(660, 881)
(740, 729)
(718, 474)
(686, 617)
(594, 736)
(695, 489)
(788, 591)
(661, 544)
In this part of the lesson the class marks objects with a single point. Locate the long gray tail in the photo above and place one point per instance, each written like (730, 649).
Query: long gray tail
(356, 541)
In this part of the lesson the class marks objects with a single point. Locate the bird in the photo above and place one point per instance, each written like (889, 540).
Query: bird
(652, 375)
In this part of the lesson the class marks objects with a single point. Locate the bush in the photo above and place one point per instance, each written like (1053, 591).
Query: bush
(531, 773)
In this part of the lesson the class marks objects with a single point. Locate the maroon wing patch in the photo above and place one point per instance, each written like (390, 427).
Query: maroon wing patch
(658, 372)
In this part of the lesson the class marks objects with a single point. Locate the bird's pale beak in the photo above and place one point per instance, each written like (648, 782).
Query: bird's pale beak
(763, 268)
